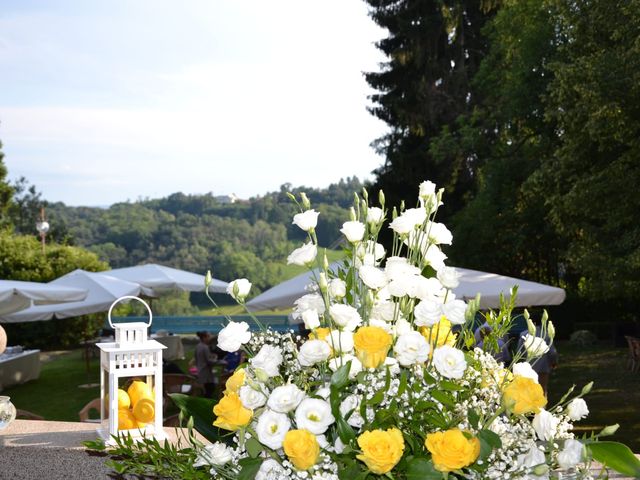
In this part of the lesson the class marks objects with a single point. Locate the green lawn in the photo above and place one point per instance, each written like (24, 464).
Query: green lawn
(56, 395)
(615, 397)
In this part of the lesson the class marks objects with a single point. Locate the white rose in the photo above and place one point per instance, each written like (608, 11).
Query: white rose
(402, 327)
(303, 256)
(372, 277)
(449, 362)
(239, 289)
(251, 398)
(353, 230)
(545, 424)
(268, 360)
(524, 369)
(375, 216)
(427, 313)
(370, 248)
(314, 415)
(408, 221)
(535, 346)
(423, 287)
(337, 362)
(341, 342)
(352, 404)
(324, 443)
(454, 311)
(393, 365)
(324, 391)
(572, 453)
(411, 348)
(310, 301)
(310, 319)
(270, 469)
(339, 446)
(337, 288)
(449, 277)
(427, 189)
(272, 427)
(384, 311)
(439, 233)
(345, 316)
(386, 326)
(216, 454)
(434, 257)
(402, 285)
(532, 459)
(577, 409)
(397, 267)
(285, 398)
(313, 351)
(307, 221)
(233, 336)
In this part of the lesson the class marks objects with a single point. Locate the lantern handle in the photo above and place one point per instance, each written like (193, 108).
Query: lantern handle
(129, 297)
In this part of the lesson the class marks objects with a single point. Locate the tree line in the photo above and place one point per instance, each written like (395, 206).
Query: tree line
(527, 112)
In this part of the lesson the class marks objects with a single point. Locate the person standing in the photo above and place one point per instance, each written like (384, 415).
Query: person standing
(205, 360)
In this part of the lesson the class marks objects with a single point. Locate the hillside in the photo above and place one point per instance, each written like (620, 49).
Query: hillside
(250, 238)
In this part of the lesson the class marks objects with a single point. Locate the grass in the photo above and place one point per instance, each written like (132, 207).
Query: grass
(615, 397)
(56, 394)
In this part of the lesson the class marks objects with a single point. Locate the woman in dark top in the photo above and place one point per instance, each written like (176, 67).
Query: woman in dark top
(204, 361)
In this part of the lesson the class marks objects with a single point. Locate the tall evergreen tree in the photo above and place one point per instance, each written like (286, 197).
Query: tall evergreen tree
(6, 192)
(433, 50)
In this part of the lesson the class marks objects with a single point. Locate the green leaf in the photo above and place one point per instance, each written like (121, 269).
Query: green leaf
(421, 468)
(473, 417)
(345, 432)
(254, 447)
(616, 456)
(403, 382)
(249, 468)
(450, 386)
(443, 398)
(201, 409)
(340, 377)
(488, 441)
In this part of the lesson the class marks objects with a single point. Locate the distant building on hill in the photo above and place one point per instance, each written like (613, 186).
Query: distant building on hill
(226, 199)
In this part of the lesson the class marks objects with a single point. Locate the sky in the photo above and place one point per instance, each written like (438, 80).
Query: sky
(102, 102)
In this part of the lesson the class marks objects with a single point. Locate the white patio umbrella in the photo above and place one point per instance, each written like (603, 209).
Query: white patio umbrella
(102, 289)
(157, 279)
(472, 282)
(17, 295)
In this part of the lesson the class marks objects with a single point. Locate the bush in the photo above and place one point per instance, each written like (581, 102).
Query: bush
(583, 338)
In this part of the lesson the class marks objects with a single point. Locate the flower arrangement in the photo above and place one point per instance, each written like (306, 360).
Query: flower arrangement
(388, 382)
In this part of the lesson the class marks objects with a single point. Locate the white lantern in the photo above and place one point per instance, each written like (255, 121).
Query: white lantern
(131, 356)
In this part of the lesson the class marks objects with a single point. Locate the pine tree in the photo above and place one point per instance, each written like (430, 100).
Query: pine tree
(433, 50)
(6, 192)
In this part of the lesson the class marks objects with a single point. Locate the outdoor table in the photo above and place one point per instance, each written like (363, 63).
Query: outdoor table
(32, 449)
(19, 368)
(175, 349)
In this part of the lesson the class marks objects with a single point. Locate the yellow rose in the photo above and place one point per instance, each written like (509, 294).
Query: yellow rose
(452, 450)
(523, 395)
(145, 410)
(231, 413)
(381, 450)
(302, 448)
(440, 334)
(235, 381)
(320, 333)
(372, 345)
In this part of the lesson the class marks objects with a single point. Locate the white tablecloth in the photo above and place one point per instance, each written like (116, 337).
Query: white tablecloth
(174, 350)
(19, 368)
